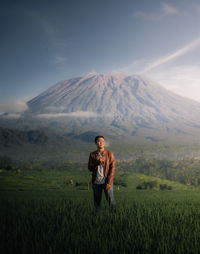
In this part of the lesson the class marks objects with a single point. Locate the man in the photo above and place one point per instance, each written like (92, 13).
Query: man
(102, 165)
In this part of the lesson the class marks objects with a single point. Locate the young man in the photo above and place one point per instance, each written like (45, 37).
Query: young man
(102, 165)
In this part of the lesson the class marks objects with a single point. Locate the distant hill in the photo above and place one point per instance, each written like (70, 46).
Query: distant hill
(10, 137)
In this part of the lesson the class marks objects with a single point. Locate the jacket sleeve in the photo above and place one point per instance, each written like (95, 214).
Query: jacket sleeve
(92, 164)
(111, 169)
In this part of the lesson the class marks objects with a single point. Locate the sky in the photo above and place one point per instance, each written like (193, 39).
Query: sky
(44, 42)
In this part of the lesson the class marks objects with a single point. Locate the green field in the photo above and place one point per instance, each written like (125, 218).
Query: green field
(41, 212)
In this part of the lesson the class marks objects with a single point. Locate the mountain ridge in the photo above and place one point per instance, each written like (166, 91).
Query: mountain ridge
(119, 100)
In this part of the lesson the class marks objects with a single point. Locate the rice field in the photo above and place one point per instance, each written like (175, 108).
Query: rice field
(39, 219)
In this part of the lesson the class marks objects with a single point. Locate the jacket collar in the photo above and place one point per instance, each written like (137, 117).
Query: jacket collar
(104, 152)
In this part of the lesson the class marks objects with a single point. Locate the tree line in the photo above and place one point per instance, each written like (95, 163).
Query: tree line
(185, 171)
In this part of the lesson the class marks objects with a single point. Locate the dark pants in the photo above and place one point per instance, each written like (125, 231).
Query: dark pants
(97, 190)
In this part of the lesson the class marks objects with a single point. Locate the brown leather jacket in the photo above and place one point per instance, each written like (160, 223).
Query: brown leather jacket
(108, 165)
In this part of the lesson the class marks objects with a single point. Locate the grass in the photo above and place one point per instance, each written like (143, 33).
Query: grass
(40, 212)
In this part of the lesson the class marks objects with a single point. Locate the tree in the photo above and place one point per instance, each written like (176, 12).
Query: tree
(5, 162)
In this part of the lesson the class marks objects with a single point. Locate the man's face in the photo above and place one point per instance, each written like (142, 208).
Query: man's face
(100, 143)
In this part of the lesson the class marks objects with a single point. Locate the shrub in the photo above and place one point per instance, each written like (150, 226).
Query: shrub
(120, 182)
(147, 185)
(165, 187)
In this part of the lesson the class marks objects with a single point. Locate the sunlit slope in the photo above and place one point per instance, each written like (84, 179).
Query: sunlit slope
(127, 105)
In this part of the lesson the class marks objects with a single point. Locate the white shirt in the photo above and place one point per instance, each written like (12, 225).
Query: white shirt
(100, 173)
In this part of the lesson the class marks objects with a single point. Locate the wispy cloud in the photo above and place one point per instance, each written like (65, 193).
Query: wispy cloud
(192, 45)
(143, 66)
(14, 107)
(165, 10)
(169, 9)
(195, 8)
(92, 72)
(133, 68)
(44, 24)
(53, 34)
(183, 80)
(80, 114)
(11, 116)
(146, 15)
(76, 114)
(60, 59)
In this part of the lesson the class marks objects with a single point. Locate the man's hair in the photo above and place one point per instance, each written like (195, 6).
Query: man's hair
(97, 137)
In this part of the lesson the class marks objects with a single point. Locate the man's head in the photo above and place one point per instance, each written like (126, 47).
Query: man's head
(99, 141)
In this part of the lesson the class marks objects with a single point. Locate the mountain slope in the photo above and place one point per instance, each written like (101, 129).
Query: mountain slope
(128, 103)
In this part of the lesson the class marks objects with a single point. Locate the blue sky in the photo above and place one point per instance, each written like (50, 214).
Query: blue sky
(43, 42)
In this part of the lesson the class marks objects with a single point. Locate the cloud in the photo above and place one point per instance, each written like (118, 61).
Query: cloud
(92, 72)
(47, 26)
(172, 56)
(143, 66)
(60, 59)
(145, 15)
(183, 80)
(165, 10)
(169, 9)
(11, 115)
(14, 107)
(133, 68)
(81, 114)
(53, 35)
(196, 8)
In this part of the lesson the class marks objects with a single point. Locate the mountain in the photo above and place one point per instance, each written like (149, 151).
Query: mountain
(122, 105)
(136, 116)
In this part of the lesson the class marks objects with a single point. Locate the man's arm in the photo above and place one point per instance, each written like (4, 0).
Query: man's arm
(111, 169)
(92, 164)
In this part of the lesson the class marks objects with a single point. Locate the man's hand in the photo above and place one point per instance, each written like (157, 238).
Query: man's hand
(108, 186)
